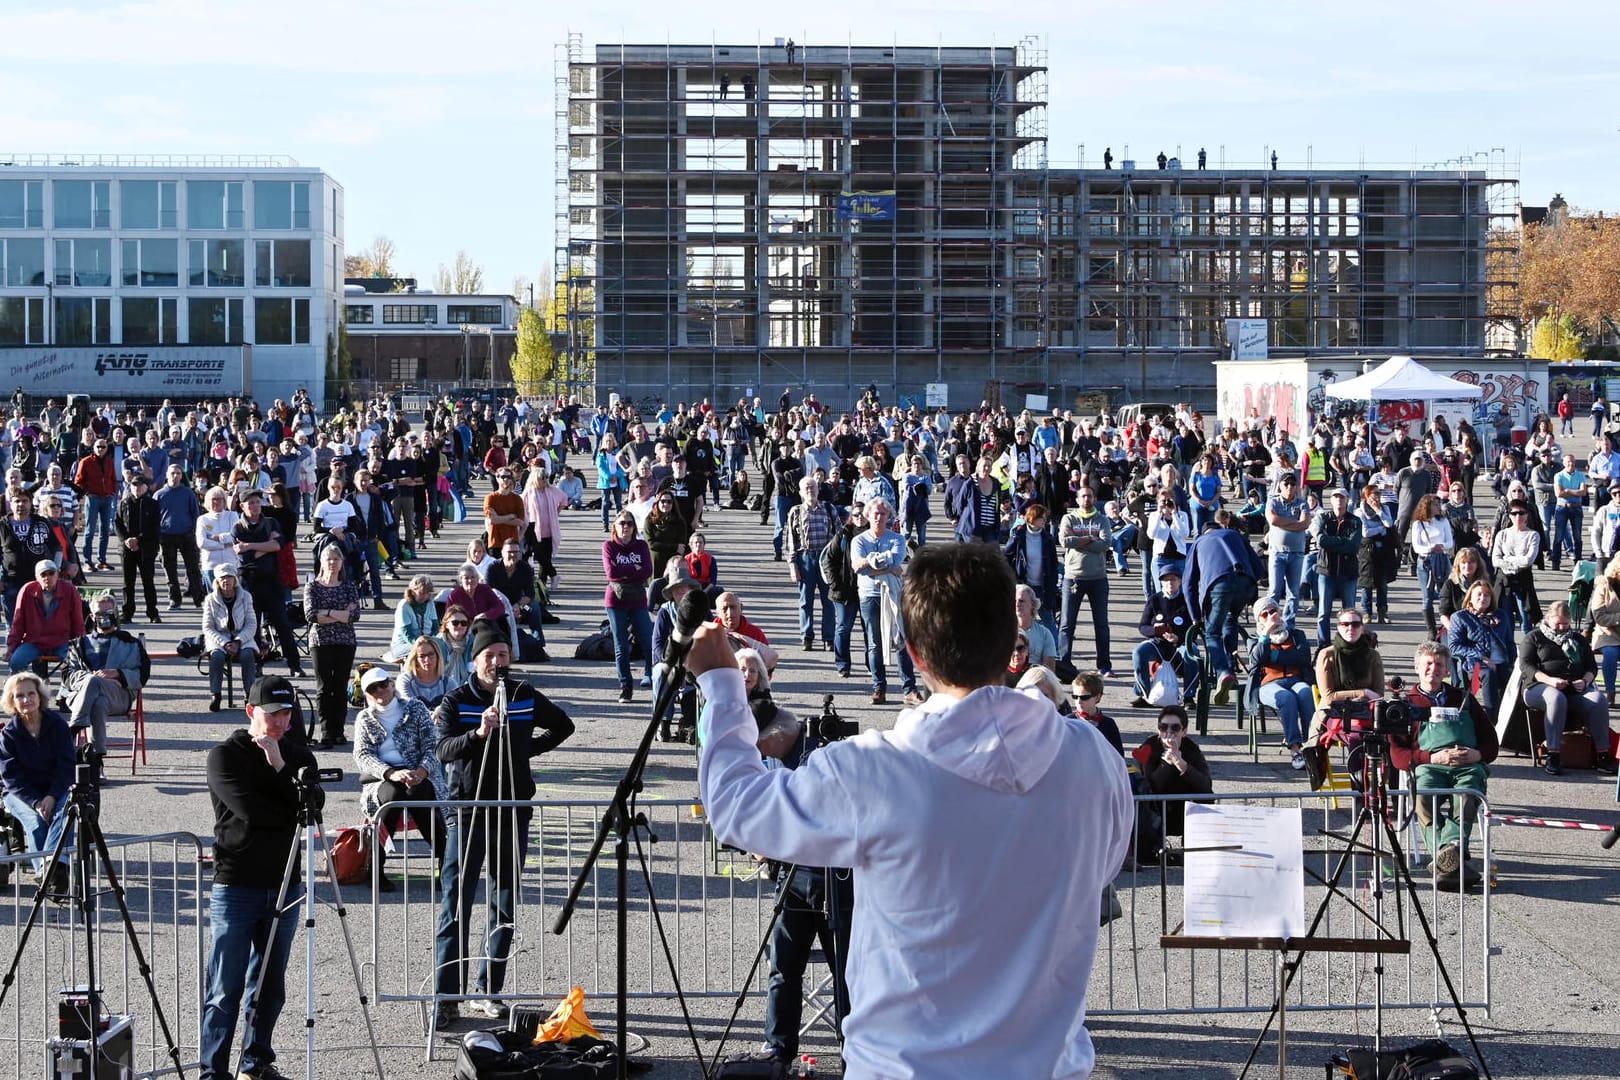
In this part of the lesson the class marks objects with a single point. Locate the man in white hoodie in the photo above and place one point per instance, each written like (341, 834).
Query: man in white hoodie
(971, 946)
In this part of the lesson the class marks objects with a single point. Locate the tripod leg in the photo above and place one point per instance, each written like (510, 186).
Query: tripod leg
(250, 1013)
(33, 912)
(348, 942)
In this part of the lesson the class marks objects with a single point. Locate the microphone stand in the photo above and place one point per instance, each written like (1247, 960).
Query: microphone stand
(622, 819)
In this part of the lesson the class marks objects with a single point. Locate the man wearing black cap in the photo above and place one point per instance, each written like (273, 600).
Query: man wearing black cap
(252, 785)
(137, 526)
(486, 756)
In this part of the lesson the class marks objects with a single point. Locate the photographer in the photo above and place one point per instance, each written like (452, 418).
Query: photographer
(1003, 954)
(253, 784)
(1451, 746)
(1559, 676)
(1172, 764)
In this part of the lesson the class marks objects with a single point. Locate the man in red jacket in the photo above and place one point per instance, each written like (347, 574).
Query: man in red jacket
(96, 476)
(48, 620)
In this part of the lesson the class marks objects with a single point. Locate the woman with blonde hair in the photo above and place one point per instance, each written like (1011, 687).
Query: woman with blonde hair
(216, 532)
(1480, 640)
(1605, 612)
(36, 770)
(421, 674)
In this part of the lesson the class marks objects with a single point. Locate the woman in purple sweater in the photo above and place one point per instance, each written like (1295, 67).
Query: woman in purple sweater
(628, 563)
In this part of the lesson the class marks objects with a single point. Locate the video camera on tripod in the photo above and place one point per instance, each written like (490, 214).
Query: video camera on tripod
(829, 727)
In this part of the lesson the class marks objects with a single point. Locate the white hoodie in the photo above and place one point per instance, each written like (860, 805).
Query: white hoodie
(981, 831)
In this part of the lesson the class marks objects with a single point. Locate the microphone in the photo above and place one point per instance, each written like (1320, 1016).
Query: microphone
(1608, 841)
(691, 612)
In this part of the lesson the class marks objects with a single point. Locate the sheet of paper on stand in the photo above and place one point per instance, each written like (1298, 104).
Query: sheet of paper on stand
(1256, 890)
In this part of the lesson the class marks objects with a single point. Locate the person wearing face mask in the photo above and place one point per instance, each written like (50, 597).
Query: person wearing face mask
(106, 669)
(1165, 624)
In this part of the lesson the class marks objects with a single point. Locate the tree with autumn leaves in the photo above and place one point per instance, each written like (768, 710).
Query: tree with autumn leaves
(1569, 281)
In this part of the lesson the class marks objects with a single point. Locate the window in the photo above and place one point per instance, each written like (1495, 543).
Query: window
(151, 264)
(22, 262)
(409, 313)
(281, 264)
(22, 204)
(151, 320)
(278, 321)
(215, 321)
(405, 369)
(280, 204)
(213, 204)
(149, 204)
(83, 320)
(474, 313)
(359, 314)
(83, 204)
(217, 264)
(85, 264)
(22, 320)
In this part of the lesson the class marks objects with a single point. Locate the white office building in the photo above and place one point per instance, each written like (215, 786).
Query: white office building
(166, 253)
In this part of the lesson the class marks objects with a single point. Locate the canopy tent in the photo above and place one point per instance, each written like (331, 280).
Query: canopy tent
(1400, 378)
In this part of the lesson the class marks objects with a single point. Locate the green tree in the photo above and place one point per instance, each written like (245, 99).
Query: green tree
(1557, 338)
(535, 361)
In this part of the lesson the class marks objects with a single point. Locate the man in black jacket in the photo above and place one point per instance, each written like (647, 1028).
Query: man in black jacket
(257, 542)
(137, 526)
(1165, 624)
(252, 785)
(486, 756)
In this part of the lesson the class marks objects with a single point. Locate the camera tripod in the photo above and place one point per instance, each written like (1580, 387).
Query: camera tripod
(83, 814)
(310, 800)
(1372, 817)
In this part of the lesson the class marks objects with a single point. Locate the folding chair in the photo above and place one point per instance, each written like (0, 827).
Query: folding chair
(230, 677)
(820, 1003)
(137, 739)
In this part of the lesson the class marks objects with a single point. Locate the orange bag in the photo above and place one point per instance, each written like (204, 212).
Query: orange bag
(568, 1021)
(351, 855)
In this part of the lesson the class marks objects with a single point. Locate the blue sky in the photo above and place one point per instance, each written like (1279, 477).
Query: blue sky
(436, 117)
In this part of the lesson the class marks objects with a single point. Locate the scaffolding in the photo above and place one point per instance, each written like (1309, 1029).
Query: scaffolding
(735, 219)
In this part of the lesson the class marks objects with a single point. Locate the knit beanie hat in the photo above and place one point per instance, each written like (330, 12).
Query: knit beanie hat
(487, 632)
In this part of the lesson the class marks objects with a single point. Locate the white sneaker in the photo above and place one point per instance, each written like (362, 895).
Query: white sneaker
(488, 1008)
(1297, 762)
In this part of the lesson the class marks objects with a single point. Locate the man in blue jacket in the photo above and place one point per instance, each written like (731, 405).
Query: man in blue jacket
(1223, 572)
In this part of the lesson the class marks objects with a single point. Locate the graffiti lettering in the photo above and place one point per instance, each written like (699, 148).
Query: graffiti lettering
(1503, 392)
(1278, 399)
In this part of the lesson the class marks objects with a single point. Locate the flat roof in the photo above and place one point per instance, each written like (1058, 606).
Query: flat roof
(809, 55)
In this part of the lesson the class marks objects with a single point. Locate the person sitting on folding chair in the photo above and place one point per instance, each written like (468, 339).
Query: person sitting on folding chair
(1166, 623)
(1452, 745)
(105, 671)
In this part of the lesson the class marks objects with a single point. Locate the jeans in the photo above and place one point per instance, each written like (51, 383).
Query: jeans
(1226, 598)
(25, 655)
(217, 662)
(1287, 568)
(624, 622)
(1567, 519)
(871, 620)
(810, 586)
(1432, 571)
(1124, 544)
(1201, 515)
(843, 631)
(42, 835)
(1094, 590)
(241, 920)
(1294, 702)
(506, 844)
(612, 503)
(98, 512)
(1590, 709)
(793, 935)
(781, 504)
(1380, 594)
(1334, 593)
(1611, 665)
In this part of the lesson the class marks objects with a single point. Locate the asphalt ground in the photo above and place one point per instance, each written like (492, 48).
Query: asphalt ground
(1556, 987)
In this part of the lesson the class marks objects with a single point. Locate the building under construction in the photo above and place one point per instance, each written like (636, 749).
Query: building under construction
(734, 220)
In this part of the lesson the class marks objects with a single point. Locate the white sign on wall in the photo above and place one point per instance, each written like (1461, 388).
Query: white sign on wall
(1249, 338)
(130, 371)
(936, 395)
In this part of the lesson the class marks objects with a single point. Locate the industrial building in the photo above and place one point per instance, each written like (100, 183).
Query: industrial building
(733, 220)
(163, 256)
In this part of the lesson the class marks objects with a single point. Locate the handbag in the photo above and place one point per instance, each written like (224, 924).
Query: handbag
(351, 855)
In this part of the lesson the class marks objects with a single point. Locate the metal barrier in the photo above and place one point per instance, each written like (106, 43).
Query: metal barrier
(1134, 975)
(691, 877)
(162, 879)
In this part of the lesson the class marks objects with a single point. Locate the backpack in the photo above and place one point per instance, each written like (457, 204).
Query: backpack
(357, 697)
(597, 646)
(1430, 1060)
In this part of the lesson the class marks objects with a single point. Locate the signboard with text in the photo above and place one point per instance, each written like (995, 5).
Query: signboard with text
(1249, 338)
(129, 371)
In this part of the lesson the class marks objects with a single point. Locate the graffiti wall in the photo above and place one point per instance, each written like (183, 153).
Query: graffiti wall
(1511, 392)
(1282, 398)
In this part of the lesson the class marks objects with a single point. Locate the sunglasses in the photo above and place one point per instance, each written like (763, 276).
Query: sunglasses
(1089, 697)
(1167, 728)
(1020, 648)
(1350, 624)
(457, 624)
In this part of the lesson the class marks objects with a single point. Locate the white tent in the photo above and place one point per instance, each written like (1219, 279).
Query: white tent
(1400, 378)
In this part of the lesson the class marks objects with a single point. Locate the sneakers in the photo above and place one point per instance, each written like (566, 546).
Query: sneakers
(445, 1015)
(915, 698)
(809, 643)
(486, 1008)
(1297, 761)
(626, 693)
(1447, 859)
(175, 605)
(879, 697)
(1140, 702)
(267, 1071)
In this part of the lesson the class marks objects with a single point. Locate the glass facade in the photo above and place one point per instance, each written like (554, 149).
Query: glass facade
(394, 314)
(359, 314)
(214, 204)
(280, 204)
(216, 264)
(215, 321)
(22, 262)
(280, 321)
(83, 320)
(149, 204)
(474, 313)
(151, 320)
(151, 264)
(22, 204)
(84, 264)
(281, 264)
(82, 204)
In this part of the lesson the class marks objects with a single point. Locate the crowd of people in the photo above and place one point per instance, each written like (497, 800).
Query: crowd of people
(1265, 562)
